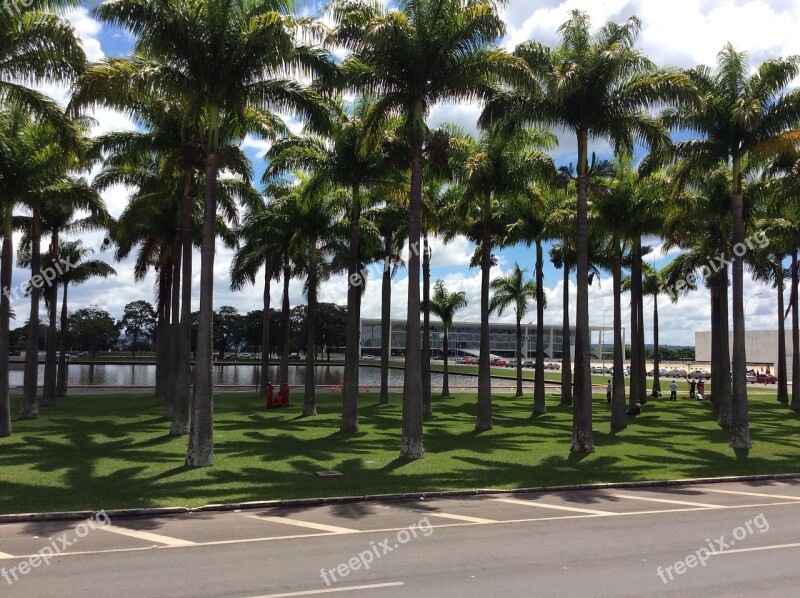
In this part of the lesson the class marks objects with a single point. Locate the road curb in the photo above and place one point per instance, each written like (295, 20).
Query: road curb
(310, 502)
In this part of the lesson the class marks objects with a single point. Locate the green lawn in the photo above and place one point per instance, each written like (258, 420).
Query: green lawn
(107, 451)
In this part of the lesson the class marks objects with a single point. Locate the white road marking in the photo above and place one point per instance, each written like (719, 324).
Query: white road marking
(530, 503)
(751, 494)
(668, 501)
(467, 518)
(147, 536)
(374, 586)
(5, 555)
(307, 524)
(397, 529)
(756, 549)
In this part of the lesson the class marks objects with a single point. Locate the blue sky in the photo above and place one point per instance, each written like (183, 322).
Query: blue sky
(680, 33)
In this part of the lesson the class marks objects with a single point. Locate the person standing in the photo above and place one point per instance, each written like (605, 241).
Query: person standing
(608, 392)
(673, 391)
(692, 385)
(701, 387)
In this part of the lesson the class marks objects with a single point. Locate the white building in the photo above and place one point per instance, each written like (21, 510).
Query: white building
(464, 338)
(761, 347)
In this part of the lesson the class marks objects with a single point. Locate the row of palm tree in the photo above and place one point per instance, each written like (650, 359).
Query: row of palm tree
(206, 73)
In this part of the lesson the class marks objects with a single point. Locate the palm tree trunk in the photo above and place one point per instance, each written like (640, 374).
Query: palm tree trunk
(582, 440)
(636, 357)
(427, 410)
(386, 320)
(484, 419)
(724, 399)
(518, 355)
(716, 363)
(201, 433)
(352, 349)
(619, 419)
(173, 357)
(795, 406)
(6, 266)
(411, 444)
(656, 361)
(183, 381)
(445, 369)
(283, 377)
(309, 399)
(640, 330)
(539, 406)
(566, 350)
(29, 409)
(49, 386)
(61, 383)
(162, 335)
(265, 333)
(783, 388)
(740, 422)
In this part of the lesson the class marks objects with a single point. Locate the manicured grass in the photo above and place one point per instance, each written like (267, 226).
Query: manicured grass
(106, 451)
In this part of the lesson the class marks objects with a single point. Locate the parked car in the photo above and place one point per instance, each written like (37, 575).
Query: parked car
(469, 361)
(461, 360)
(245, 356)
(511, 363)
(369, 357)
(596, 369)
(751, 378)
(498, 362)
(766, 379)
(699, 375)
(530, 364)
(552, 366)
(294, 355)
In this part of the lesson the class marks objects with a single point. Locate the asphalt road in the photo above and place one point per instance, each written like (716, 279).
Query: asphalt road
(732, 539)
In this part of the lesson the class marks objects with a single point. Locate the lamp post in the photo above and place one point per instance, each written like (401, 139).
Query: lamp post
(527, 341)
(744, 311)
(602, 338)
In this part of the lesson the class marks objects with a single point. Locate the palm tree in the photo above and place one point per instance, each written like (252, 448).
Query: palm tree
(743, 115)
(81, 271)
(445, 304)
(492, 171)
(595, 85)
(341, 154)
(389, 220)
(38, 47)
(223, 61)
(513, 290)
(316, 221)
(412, 57)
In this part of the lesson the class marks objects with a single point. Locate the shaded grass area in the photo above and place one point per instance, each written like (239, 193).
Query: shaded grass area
(113, 451)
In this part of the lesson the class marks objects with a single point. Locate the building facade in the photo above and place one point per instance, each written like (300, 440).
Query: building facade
(464, 339)
(761, 347)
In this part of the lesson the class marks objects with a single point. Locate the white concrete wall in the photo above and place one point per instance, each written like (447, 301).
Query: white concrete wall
(761, 347)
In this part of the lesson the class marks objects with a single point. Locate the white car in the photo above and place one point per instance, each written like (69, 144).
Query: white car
(751, 378)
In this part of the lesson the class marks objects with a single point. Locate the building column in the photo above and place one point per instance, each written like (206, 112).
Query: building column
(550, 347)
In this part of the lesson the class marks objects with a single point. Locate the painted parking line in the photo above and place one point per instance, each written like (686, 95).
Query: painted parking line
(443, 515)
(530, 503)
(760, 494)
(307, 524)
(756, 549)
(148, 536)
(5, 555)
(373, 586)
(668, 501)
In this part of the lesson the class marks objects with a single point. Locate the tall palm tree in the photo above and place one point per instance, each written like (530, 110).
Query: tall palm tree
(744, 114)
(595, 85)
(513, 290)
(389, 220)
(445, 304)
(316, 221)
(57, 213)
(412, 57)
(492, 171)
(81, 271)
(222, 60)
(342, 154)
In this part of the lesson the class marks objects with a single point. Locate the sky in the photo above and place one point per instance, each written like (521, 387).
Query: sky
(679, 33)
